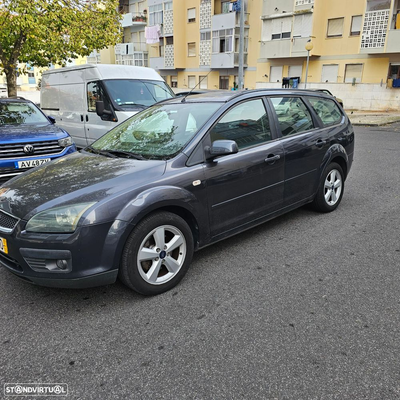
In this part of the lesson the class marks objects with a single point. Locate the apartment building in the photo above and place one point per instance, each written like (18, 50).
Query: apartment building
(355, 48)
(199, 42)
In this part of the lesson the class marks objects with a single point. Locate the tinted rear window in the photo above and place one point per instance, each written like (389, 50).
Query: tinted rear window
(327, 110)
(293, 115)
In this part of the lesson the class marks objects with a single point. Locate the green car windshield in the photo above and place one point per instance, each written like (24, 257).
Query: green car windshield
(160, 131)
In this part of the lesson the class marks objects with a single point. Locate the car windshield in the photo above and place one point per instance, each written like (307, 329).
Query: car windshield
(128, 94)
(17, 113)
(159, 132)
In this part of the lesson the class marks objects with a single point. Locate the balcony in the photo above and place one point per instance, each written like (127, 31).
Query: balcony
(276, 49)
(392, 41)
(157, 63)
(226, 60)
(229, 20)
(133, 19)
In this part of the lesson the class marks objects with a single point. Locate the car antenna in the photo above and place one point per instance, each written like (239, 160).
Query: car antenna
(201, 80)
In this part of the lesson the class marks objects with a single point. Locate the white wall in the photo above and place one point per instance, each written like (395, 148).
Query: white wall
(362, 96)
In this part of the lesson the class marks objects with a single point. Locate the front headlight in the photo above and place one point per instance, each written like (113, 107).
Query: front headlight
(59, 219)
(65, 142)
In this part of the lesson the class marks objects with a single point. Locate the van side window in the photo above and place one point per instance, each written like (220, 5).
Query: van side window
(95, 92)
(293, 115)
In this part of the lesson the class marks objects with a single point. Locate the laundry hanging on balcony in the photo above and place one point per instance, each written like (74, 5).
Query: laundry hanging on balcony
(152, 34)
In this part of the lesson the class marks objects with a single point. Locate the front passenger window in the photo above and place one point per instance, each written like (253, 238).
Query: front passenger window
(247, 124)
(293, 115)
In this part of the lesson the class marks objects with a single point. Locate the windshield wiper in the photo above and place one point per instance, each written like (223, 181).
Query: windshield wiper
(101, 152)
(127, 154)
(132, 104)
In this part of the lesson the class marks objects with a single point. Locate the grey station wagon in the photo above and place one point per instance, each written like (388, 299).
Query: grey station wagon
(172, 179)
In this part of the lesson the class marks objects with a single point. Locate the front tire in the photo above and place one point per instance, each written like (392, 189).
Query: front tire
(157, 254)
(330, 190)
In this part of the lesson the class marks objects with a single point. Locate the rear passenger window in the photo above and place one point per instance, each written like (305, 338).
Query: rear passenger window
(293, 115)
(247, 124)
(327, 110)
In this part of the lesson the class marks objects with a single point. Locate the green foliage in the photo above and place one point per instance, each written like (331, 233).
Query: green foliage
(43, 32)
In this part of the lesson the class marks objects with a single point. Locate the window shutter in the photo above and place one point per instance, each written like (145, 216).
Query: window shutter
(191, 13)
(353, 71)
(330, 73)
(335, 27)
(356, 24)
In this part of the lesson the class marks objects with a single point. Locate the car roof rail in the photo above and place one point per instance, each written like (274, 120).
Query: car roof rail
(17, 97)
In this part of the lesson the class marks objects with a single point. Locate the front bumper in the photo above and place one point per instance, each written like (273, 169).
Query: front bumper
(86, 258)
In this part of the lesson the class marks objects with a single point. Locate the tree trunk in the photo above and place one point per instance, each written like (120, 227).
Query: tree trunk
(11, 76)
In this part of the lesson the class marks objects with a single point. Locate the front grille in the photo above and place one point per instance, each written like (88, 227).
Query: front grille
(16, 150)
(7, 221)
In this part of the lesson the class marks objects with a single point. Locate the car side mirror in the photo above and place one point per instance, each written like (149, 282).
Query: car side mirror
(51, 119)
(101, 111)
(222, 148)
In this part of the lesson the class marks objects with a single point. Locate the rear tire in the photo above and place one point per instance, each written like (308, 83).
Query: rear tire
(330, 190)
(157, 254)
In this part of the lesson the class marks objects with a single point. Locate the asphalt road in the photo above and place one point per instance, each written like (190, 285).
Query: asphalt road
(304, 307)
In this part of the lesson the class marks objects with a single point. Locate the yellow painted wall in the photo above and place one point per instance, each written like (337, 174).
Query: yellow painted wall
(324, 10)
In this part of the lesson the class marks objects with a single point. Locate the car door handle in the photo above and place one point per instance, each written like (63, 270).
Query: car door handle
(271, 159)
(87, 118)
(320, 143)
(81, 118)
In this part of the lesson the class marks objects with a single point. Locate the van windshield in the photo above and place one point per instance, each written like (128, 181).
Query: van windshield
(131, 94)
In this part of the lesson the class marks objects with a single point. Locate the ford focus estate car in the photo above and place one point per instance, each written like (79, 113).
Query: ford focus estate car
(28, 138)
(172, 179)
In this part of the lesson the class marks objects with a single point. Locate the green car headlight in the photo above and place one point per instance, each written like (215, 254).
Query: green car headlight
(59, 219)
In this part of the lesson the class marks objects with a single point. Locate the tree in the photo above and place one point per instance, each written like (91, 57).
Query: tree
(44, 32)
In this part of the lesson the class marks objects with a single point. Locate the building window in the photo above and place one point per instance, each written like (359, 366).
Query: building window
(156, 15)
(225, 7)
(174, 81)
(302, 25)
(224, 82)
(353, 73)
(169, 40)
(161, 50)
(203, 82)
(330, 73)
(205, 36)
(281, 28)
(168, 6)
(222, 41)
(355, 29)
(191, 15)
(191, 49)
(335, 27)
(275, 74)
(191, 81)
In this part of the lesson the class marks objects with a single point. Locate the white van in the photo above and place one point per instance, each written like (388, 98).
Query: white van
(89, 100)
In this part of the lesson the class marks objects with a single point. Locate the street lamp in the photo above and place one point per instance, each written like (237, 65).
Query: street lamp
(309, 47)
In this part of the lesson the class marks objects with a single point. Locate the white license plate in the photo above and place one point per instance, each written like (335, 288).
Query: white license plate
(3, 245)
(32, 163)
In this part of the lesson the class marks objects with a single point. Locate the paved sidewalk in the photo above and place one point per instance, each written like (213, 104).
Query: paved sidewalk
(373, 118)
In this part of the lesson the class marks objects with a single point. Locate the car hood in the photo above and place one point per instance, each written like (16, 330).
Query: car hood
(25, 133)
(77, 178)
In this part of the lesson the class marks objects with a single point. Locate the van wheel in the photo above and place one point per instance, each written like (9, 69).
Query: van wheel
(157, 254)
(331, 188)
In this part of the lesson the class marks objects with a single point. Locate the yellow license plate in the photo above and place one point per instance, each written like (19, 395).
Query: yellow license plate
(3, 245)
